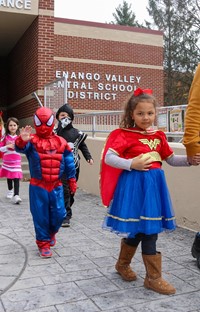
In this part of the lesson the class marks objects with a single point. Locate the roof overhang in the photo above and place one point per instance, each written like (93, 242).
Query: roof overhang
(15, 17)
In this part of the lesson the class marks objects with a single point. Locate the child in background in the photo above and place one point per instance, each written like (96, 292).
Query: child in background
(2, 131)
(76, 140)
(11, 160)
(141, 206)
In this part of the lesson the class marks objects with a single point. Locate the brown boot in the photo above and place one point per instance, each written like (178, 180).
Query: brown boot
(153, 279)
(123, 263)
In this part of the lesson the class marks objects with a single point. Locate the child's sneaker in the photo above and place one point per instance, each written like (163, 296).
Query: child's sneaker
(66, 222)
(53, 241)
(17, 199)
(45, 252)
(10, 194)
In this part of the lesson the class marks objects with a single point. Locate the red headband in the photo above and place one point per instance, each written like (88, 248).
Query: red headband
(139, 91)
(1, 113)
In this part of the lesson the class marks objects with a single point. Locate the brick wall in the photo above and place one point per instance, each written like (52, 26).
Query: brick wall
(150, 79)
(45, 50)
(30, 64)
(42, 51)
(87, 52)
(23, 64)
(46, 4)
(87, 48)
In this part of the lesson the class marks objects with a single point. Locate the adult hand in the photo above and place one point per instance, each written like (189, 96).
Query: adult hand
(194, 160)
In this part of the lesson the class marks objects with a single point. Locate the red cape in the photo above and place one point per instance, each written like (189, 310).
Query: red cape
(108, 175)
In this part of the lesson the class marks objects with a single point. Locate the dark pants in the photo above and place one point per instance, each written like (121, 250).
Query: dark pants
(68, 197)
(10, 183)
(148, 243)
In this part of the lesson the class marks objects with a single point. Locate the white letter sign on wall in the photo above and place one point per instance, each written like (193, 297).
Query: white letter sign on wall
(96, 86)
(16, 4)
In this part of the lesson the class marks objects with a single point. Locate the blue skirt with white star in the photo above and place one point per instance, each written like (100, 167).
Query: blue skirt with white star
(141, 204)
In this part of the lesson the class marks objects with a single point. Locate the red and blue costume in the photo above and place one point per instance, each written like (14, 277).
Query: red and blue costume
(138, 201)
(49, 156)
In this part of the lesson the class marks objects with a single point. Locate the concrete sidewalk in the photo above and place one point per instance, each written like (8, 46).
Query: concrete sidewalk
(80, 277)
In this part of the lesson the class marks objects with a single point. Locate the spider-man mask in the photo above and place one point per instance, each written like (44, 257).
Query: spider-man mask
(44, 122)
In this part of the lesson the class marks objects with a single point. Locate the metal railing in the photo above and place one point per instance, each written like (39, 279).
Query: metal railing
(98, 122)
(170, 119)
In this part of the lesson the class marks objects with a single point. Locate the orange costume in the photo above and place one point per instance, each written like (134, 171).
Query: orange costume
(191, 138)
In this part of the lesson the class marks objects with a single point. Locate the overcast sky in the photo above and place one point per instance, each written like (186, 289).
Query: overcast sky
(98, 10)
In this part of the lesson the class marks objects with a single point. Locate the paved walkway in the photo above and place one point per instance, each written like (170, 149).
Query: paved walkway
(80, 277)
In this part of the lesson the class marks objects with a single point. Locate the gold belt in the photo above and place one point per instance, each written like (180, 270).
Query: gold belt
(154, 156)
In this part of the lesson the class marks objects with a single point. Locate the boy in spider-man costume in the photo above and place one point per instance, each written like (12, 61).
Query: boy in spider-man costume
(49, 156)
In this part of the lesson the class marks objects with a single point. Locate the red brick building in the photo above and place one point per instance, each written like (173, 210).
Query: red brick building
(104, 63)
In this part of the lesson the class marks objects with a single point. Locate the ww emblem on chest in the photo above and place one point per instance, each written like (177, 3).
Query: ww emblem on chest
(151, 143)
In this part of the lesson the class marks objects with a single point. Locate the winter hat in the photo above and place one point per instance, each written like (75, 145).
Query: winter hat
(67, 109)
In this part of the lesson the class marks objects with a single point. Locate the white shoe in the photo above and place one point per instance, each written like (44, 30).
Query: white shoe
(10, 194)
(17, 199)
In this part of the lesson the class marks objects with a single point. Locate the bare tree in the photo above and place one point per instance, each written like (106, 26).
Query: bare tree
(179, 22)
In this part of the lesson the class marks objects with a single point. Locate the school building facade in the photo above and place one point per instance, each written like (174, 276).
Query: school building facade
(103, 63)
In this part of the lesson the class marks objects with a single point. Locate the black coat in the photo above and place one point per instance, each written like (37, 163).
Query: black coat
(73, 135)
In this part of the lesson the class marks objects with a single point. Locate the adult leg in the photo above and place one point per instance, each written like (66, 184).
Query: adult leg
(153, 264)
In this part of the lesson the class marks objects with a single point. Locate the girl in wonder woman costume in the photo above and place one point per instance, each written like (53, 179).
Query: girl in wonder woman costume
(138, 200)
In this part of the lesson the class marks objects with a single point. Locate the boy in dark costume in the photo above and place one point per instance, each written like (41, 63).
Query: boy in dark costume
(76, 140)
